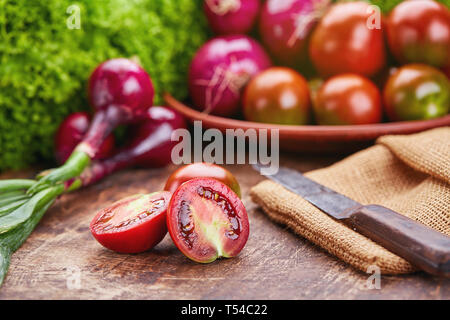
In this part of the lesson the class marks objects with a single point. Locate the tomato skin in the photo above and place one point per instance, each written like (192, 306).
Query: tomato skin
(202, 170)
(419, 32)
(134, 238)
(196, 243)
(348, 99)
(277, 95)
(342, 42)
(417, 92)
(447, 72)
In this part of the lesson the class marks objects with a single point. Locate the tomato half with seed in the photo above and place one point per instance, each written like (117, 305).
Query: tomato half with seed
(417, 92)
(419, 31)
(348, 99)
(207, 220)
(202, 170)
(342, 41)
(134, 224)
(277, 95)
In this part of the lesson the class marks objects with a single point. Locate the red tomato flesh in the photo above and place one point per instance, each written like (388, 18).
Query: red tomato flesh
(134, 224)
(207, 220)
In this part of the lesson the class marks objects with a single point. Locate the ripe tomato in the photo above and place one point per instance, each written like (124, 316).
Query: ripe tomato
(416, 92)
(419, 31)
(206, 220)
(202, 170)
(277, 95)
(348, 99)
(134, 224)
(343, 42)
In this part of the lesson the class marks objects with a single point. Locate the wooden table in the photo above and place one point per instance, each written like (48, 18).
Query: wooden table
(275, 264)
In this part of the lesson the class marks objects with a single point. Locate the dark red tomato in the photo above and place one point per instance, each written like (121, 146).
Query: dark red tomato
(202, 170)
(342, 42)
(277, 95)
(348, 99)
(71, 133)
(419, 31)
(134, 224)
(207, 220)
(447, 72)
(417, 92)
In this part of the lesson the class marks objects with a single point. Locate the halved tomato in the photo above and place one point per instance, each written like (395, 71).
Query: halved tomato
(134, 224)
(207, 220)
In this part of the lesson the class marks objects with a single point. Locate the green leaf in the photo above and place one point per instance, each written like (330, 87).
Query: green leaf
(25, 211)
(10, 194)
(5, 258)
(44, 65)
(15, 184)
(73, 167)
(4, 210)
(12, 199)
(12, 240)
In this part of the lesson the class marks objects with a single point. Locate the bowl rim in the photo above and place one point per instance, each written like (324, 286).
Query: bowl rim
(350, 132)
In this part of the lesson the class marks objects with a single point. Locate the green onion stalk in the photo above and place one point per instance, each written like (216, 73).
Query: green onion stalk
(24, 202)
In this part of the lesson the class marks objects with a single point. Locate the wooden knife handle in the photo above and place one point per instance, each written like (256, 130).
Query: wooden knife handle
(423, 247)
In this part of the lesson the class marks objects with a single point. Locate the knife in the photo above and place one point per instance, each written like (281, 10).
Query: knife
(423, 247)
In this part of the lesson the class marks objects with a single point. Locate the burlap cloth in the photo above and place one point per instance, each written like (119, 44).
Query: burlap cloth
(409, 174)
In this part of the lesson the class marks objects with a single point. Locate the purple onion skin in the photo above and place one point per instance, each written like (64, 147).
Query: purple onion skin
(120, 92)
(150, 145)
(285, 27)
(228, 17)
(221, 69)
(71, 132)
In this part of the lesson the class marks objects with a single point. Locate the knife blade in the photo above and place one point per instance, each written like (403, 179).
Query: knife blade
(425, 248)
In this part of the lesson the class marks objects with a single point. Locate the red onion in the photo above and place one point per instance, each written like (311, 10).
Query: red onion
(286, 25)
(120, 92)
(220, 70)
(71, 132)
(150, 145)
(231, 16)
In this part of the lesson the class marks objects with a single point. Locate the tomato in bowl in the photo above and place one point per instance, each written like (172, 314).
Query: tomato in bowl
(312, 139)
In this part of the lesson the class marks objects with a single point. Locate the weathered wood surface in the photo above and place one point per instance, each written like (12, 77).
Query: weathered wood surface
(275, 264)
